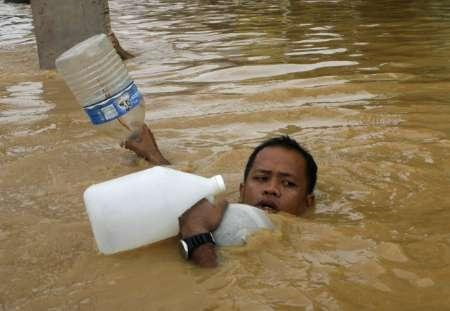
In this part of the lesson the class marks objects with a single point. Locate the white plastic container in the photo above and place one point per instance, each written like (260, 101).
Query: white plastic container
(143, 207)
(239, 222)
(101, 84)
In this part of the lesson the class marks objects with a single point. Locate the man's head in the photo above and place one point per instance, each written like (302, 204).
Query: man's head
(280, 175)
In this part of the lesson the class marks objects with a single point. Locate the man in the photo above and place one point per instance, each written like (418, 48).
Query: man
(280, 176)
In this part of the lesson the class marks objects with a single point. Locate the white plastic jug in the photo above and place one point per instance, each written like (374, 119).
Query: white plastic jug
(143, 207)
(238, 223)
(101, 84)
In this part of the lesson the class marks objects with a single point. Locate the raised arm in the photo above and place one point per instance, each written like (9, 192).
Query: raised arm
(203, 218)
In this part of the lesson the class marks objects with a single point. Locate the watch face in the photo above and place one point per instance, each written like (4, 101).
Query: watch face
(184, 249)
(213, 239)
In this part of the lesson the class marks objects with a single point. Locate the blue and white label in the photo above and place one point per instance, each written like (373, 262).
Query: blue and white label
(115, 106)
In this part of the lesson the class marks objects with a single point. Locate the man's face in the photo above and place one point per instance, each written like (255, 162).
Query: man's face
(277, 182)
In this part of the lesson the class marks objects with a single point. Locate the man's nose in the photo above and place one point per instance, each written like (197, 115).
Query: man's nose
(271, 188)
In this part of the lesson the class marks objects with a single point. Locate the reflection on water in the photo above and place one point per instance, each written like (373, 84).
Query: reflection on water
(262, 71)
(22, 103)
(15, 25)
(362, 84)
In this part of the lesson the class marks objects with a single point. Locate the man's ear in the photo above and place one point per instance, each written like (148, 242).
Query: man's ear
(241, 192)
(311, 200)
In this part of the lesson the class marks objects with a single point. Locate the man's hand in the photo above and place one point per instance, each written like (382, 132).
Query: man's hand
(144, 145)
(200, 218)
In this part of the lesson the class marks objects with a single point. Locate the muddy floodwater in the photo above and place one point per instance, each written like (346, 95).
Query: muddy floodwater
(363, 84)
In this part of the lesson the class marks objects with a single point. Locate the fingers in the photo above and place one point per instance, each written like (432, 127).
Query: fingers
(217, 213)
(135, 135)
(217, 207)
(130, 145)
(203, 204)
(143, 131)
(220, 207)
(222, 204)
(203, 216)
(134, 141)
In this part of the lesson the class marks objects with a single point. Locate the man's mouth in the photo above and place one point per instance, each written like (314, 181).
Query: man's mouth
(267, 205)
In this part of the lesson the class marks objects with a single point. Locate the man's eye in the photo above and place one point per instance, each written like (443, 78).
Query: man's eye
(289, 184)
(260, 178)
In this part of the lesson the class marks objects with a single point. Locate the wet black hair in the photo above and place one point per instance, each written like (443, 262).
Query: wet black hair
(289, 144)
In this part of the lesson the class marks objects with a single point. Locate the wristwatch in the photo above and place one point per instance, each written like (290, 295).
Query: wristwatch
(188, 245)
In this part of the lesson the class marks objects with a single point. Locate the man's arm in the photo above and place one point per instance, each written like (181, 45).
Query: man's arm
(201, 218)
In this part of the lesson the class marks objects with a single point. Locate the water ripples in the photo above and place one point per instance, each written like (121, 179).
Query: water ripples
(23, 103)
(362, 84)
(15, 25)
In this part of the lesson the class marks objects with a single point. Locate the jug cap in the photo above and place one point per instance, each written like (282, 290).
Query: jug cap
(219, 184)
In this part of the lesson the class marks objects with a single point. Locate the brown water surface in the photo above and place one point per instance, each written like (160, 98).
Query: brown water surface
(363, 84)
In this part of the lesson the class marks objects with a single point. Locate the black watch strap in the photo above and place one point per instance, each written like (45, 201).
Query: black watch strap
(195, 241)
